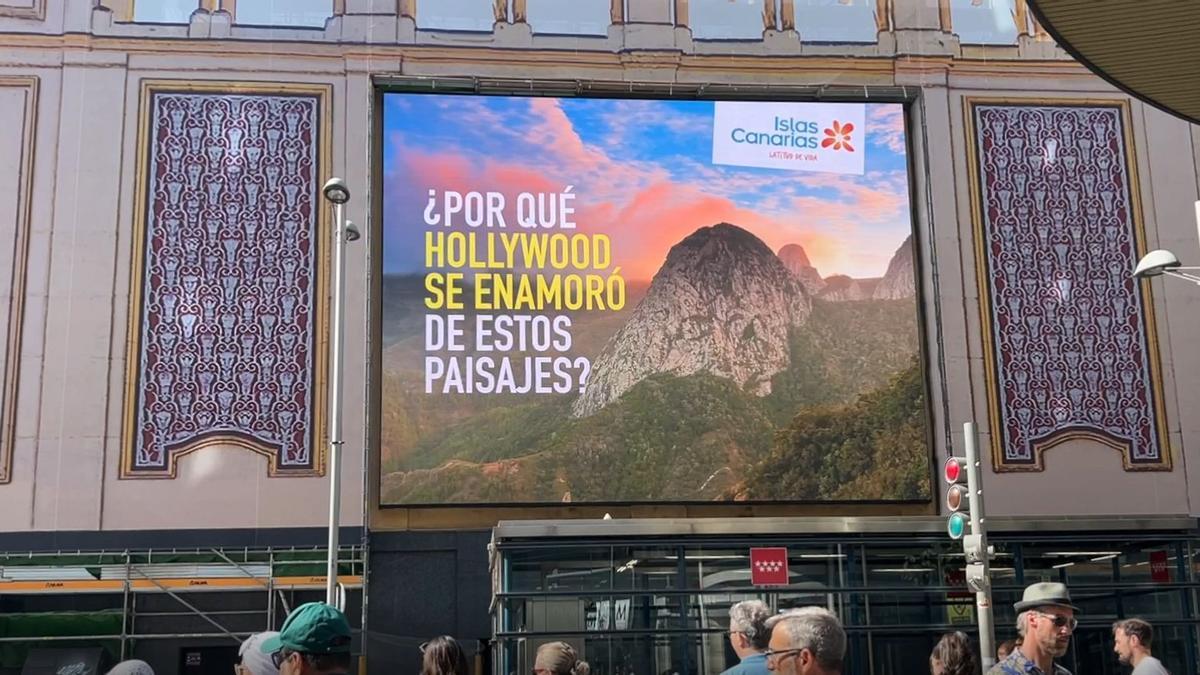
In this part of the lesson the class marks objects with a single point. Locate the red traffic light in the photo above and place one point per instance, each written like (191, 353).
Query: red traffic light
(955, 469)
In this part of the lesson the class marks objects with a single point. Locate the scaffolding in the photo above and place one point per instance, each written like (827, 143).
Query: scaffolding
(161, 594)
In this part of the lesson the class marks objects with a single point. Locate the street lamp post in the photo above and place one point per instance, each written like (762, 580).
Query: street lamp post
(338, 194)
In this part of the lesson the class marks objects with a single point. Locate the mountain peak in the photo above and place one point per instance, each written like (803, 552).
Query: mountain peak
(900, 279)
(724, 233)
(721, 304)
(795, 259)
(794, 254)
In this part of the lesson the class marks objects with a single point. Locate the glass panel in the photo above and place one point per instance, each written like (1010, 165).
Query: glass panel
(984, 22)
(836, 20)
(467, 15)
(1151, 605)
(1092, 650)
(900, 654)
(726, 19)
(910, 571)
(1150, 562)
(588, 569)
(646, 568)
(300, 13)
(164, 11)
(578, 17)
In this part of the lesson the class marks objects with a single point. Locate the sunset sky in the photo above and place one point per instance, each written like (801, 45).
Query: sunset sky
(643, 174)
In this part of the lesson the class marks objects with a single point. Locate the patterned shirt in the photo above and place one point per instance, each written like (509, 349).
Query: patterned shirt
(1018, 664)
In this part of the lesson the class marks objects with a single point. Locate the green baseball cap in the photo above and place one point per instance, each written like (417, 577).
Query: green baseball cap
(312, 628)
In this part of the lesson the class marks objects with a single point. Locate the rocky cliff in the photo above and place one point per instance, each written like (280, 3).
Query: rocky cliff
(721, 304)
(899, 281)
(841, 288)
(795, 259)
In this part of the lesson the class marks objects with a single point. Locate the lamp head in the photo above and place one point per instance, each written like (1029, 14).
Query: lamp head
(1155, 263)
(335, 190)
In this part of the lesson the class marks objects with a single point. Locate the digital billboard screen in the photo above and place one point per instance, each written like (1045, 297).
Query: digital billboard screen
(620, 300)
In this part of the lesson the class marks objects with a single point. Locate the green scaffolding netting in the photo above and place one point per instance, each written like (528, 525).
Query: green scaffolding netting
(36, 626)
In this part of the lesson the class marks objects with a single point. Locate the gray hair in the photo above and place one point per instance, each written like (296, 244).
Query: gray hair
(815, 629)
(749, 618)
(1023, 622)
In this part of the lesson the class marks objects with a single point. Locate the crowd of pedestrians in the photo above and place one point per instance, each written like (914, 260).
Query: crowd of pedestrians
(315, 640)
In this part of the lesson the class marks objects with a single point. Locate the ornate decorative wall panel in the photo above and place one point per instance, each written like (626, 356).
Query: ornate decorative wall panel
(18, 107)
(227, 310)
(1068, 333)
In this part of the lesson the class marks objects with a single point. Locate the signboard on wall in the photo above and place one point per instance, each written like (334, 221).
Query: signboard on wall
(769, 566)
(1159, 571)
(597, 300)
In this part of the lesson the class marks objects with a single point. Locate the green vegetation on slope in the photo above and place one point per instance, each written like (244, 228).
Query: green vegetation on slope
(875, 448)
(684, 438)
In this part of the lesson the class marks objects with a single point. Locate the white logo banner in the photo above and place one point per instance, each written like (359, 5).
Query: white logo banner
(829, 137)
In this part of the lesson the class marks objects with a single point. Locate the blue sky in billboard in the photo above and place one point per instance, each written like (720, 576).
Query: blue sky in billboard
(644, 169)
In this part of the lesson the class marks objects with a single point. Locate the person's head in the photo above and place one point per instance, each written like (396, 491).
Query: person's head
(1005, 649)
(1132, 637)
(952, 655)
(805, 641)
(1046, 619)
(251, 658)
(748, 627)
(314, 640)
(559, 658)
(132, 667)
(443, 656)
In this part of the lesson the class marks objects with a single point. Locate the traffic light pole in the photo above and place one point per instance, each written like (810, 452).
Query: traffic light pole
(978, 553)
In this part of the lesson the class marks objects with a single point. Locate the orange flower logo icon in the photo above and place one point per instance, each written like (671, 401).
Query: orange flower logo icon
(838, 137)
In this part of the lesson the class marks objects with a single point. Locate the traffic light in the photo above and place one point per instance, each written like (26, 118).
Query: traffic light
(964, 501)
(958, 497)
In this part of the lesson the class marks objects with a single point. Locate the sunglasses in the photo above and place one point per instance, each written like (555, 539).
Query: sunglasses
(1061, 621)
(280, 656)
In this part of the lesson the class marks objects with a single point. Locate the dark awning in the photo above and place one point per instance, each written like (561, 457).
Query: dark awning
(1149, 48)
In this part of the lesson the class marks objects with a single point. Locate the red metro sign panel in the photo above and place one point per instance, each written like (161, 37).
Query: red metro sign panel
(769, 566)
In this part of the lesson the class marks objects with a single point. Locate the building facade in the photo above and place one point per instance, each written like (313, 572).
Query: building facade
(168, 270)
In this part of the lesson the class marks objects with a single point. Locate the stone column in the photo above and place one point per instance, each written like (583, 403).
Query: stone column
(122, 10)
(682, 19)
(787, 15)
(1021, 17)
(920, 28)
(770, 21)
(883, 15)
(519, 11)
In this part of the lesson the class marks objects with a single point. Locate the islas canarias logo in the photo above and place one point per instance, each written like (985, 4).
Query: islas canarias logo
(793, 136)
(837, 136)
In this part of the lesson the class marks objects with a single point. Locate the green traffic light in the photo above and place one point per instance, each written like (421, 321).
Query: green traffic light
(956, 526)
